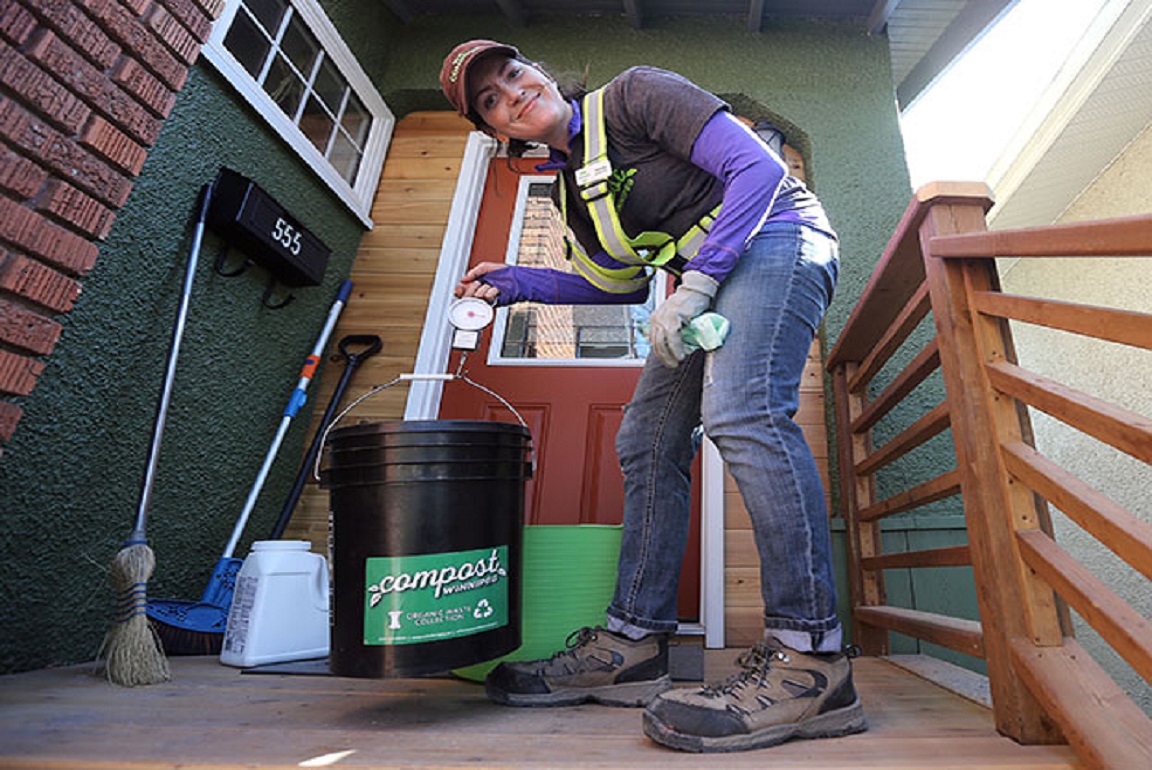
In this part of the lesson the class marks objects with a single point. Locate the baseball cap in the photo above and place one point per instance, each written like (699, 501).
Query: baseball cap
(454, 72)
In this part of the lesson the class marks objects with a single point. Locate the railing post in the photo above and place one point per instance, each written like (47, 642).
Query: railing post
(1013, 603)
(856, 492)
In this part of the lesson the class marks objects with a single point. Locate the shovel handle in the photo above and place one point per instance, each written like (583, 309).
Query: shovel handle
(370, 344)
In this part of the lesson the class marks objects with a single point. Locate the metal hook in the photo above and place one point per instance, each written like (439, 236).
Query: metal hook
(221, 257)
(268, 295)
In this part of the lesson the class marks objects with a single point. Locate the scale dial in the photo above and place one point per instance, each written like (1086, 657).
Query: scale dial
(470, 314)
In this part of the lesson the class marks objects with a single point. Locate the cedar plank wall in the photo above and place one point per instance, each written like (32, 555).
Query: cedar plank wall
(88, 86)
(392, 277)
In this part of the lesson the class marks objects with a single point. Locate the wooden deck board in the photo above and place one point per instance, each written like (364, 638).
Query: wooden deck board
(211, 716)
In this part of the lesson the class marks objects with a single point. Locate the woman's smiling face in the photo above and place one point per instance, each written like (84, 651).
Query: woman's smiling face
(519, 101)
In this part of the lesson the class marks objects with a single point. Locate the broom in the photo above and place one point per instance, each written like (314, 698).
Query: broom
(132, 652)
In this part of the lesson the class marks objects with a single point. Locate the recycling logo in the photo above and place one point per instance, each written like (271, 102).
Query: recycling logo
(483, 609)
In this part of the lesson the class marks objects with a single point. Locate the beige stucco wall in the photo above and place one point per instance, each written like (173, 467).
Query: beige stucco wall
(1117, 373)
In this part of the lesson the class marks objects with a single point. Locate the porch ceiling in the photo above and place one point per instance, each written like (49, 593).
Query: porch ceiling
(925, 36)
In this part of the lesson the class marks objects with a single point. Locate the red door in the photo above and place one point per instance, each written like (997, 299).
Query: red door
(572, 400)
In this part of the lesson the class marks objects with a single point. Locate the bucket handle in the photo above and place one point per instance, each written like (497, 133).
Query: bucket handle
(408, 378)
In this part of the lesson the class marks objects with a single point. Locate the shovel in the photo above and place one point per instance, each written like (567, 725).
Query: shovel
(369, 345)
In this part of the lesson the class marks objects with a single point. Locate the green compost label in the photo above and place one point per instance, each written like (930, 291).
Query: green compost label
(413, 599)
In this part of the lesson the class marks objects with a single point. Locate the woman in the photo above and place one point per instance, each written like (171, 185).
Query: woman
(656, 172)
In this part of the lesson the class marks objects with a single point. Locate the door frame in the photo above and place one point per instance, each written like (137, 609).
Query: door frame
(432, 357)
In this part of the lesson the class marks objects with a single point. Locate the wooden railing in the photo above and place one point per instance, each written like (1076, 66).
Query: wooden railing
(1045, 688)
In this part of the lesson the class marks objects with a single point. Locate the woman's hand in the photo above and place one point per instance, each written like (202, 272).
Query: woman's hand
(693, 297)
(471, 285)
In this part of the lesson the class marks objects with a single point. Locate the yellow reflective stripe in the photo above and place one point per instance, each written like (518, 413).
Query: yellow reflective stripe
(595, 191)
(611, 235)
(629, 256)
(663, 255)
(596, 140)
(660, 247)
(613, 280)
(649, 248)
(601, 202)
(689, 245)
(589, 271)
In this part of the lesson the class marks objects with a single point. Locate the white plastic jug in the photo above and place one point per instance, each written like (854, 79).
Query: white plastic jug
(279, 610)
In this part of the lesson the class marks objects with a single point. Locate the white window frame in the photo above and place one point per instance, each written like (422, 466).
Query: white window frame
(358, 197)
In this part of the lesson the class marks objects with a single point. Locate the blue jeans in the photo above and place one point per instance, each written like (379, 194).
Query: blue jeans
(745, 395)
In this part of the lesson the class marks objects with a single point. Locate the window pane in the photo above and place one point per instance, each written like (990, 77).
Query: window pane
(520, 336)
(284, 86)
(329, 86)
(316, 124)
(345, 157)
(356, 120)
(299, 46)
(268, 12)
(248, 44)
(603, 335)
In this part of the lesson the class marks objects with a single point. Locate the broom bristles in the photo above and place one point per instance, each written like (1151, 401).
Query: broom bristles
(133, 654)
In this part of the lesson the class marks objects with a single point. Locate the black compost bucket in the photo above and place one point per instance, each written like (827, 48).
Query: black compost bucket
(426, 534)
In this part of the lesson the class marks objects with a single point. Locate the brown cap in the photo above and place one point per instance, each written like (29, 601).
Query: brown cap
(454, 73)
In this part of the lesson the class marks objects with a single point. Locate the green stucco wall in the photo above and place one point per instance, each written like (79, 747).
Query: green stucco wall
(71, 475)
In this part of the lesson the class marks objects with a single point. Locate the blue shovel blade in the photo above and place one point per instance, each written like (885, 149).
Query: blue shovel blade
(184, 615)
(210, 614)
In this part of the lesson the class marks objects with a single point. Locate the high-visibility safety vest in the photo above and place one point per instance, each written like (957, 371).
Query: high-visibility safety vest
(648, 249)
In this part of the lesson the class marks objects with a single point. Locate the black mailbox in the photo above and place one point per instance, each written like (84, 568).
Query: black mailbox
(252, 220)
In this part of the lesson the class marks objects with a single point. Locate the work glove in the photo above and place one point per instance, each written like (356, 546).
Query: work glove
(693, 297)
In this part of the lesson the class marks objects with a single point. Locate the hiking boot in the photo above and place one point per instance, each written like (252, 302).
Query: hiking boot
(777, 695)
(597, 665)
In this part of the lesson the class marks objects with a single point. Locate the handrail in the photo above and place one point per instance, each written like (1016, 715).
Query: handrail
(926, 362)
(900, 273)
(1119, 237)
(1123, 429)
(940, 261)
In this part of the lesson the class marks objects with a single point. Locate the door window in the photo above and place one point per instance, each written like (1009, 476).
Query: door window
(531, 333)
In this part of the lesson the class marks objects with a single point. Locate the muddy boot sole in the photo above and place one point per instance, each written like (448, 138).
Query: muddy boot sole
(844, 721)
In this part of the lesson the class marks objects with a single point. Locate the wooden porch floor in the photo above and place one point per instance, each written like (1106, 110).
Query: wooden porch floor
(212, 716)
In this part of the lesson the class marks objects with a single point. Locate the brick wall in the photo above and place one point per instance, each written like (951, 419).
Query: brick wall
(85, 86)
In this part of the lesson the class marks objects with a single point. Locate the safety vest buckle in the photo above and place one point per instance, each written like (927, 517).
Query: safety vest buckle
(595, 192)
(677, 265)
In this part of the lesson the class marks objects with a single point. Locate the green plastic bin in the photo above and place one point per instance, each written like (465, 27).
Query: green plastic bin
(567, 581)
